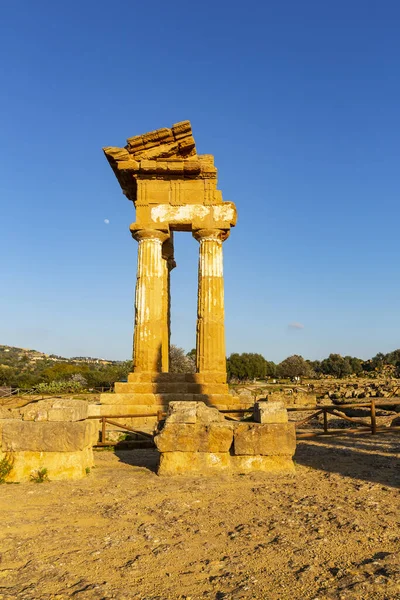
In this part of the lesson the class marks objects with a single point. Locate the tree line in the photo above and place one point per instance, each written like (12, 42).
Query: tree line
(247, 366)
(20, 372)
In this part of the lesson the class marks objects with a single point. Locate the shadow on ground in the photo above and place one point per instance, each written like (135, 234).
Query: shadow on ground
(147, 458)
(374, 459)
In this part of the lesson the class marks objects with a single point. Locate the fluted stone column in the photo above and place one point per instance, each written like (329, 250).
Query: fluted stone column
(168, 264)
(149, 309)
(210, 335)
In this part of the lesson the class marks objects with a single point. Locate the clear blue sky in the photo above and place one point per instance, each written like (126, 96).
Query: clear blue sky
(299, 103)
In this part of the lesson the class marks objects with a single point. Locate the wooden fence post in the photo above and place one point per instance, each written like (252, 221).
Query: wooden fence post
(325, 421)
(373, 417)
(103, 430)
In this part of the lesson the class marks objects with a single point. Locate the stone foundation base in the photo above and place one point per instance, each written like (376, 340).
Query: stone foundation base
(195, 463)
(59, 465)
(52, 434)
(148, 393)
(153, 400)
(197, 439)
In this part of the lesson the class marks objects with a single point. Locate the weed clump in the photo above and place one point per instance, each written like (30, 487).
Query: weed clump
(40, 476)
(6, 465)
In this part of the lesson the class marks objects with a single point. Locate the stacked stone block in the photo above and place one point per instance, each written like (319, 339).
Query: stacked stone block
(50, 434)
(197, 439)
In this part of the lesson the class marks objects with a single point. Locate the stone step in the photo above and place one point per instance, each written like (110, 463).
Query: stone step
(171, 388)
(151, 377)
(164, 399)
(109, 408)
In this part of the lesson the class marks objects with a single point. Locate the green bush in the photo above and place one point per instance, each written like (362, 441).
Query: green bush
(59, 387)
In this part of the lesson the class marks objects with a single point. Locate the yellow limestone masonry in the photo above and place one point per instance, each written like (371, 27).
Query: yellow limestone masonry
(173, 189)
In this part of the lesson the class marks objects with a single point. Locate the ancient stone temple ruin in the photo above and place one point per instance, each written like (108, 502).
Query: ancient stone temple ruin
(173, 189)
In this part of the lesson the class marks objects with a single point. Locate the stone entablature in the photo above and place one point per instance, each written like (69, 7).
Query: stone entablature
(172, 187)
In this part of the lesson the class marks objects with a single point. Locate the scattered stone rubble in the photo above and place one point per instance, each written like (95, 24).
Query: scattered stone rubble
(198, 439)
(346, 392)
(293, 398)
(49, 434)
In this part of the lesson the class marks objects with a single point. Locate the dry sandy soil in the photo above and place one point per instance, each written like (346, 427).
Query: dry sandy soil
(330, 532)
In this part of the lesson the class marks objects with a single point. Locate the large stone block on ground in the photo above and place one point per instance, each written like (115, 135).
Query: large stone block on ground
(294, 398)
(265, 439)
(185, 437)
(270, 412)
(192, 463)
(182, 412)
(68, 410)
(192, 412)
(214, 463)
(46, 436)
(59, 465)
(61, 409)
(207, 414)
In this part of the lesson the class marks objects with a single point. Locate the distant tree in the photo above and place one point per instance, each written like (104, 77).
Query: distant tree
(192, 357)
(179, 361)
(294, 366)
(392, 358)
(315, 367)
(62, 371)
(246, 366)
(270, 368)
(336, 365)
(378, 361)
(356, 364)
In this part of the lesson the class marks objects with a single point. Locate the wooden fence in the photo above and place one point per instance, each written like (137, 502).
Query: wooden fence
(232, 414)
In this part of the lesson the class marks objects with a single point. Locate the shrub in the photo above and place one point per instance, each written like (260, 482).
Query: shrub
(6, 465)
(40, 476)
(59, 387)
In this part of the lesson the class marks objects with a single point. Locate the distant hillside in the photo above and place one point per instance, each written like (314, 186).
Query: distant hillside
(26, 368)
(13, 357)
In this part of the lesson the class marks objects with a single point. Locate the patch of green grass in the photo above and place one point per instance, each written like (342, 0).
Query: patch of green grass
(40, 476)
(87, 470)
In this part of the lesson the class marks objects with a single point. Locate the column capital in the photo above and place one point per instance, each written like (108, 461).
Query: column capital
(148, 234)
(211, 234)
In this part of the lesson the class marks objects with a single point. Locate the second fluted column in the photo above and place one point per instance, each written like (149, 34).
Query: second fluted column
(210, 333)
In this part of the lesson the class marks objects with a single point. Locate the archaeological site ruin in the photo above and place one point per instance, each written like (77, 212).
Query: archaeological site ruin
(173, 189)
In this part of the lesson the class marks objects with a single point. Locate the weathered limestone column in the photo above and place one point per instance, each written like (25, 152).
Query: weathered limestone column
(149, 308)
(168, 264)
(210, 334)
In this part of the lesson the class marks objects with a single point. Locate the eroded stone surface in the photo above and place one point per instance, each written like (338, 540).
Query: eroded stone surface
(59, 465)
(182, 412)
(270, 412)
(265, 439)
(185, 437)
(60, 409)
(46, 436)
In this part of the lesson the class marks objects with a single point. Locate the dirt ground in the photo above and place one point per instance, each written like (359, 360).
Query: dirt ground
(329, 532)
